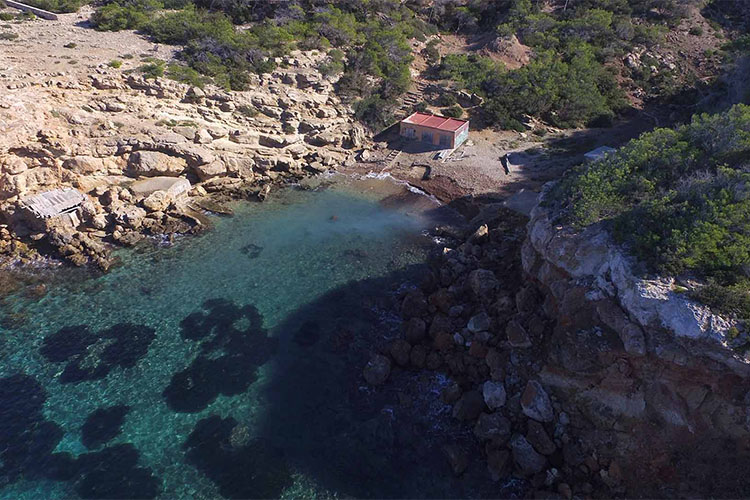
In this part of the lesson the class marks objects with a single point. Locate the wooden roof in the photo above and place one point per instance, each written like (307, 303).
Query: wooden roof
(53, 203)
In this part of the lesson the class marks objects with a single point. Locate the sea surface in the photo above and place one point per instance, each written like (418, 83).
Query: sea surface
(229, 364)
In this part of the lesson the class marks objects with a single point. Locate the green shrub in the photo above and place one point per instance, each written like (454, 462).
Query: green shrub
(153, 68)
(431, 52)
(59, 6)
(288, 128)
(6, 16)
(678, 200)
(7, 35)
(446, 99)
(114, 63)
(453, 111)
(247, 110)
(187, 75)
(374, 111)
(696, 31)
(125, 15)
(333, 64)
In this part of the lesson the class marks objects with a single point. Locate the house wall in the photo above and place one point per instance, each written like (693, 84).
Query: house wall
(432, 136)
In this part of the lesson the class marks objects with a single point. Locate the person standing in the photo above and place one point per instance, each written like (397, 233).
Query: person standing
(506, 163)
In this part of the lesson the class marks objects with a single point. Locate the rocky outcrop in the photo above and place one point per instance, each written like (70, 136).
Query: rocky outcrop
(569, 367)
(112, 128)
(648, 367)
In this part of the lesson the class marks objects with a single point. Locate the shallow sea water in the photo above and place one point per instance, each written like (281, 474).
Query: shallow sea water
(321, 267)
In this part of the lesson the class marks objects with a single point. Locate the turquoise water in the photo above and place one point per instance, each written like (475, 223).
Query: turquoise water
(230, 364)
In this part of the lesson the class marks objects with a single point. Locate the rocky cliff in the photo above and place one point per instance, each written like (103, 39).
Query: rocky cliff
(105, 130)
(649, 367)
(575, 374)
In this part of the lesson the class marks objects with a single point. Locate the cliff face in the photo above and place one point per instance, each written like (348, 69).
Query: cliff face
(648, 367)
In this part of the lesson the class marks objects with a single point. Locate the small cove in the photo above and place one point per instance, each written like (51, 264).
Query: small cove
(238, 350)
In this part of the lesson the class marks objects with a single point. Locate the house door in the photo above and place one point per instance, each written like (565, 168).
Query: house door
(427, 137)
(445, 140)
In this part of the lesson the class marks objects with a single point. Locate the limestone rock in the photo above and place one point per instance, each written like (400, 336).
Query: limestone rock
(457, 457)
(377, 370)
(469, 406)
(536, 403)
(517, 336)
(494, 394)
(154, 163)
(400, 351)
(492, 426)
(537, 436)
(416, 330)
(157, 201)
(482, 283)
(528, 461)
(479, 323)
(210, 170)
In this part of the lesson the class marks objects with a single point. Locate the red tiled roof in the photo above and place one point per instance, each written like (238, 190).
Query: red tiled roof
(435, 121)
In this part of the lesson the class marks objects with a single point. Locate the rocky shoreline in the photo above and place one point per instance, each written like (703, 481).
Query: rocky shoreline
(562, 385)
(116, 132)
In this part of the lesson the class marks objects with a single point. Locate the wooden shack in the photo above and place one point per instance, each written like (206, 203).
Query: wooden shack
(57, 203)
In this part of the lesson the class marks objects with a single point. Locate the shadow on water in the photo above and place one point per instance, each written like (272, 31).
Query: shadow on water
(345, 435)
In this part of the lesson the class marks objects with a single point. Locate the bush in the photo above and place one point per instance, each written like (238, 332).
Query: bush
(7, 35)
(453, 112)
(185, 74)
(114, 63)
(6, 16)
(334, 63)
(58, 6)
(374, 111)
(678, 200)
(446, 99)
(154, 68)
(696, 31)
(125, 15)
(248, 111)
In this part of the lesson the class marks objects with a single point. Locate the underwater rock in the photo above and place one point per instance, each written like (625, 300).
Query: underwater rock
(308, 334)
(92, 356)
(102, 425)
(113, 473)
(27, 439)
(255, 470)
(251, 250)
(233, 344)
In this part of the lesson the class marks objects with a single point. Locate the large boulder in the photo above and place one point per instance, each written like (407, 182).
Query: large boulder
(209, 170)
(469, 407)
(492, 426)
(494, 394)
(377, 370)
(88, 165)
(535, 402)
(157, 201)
(528, 461)
(154, 163)
(482, 283)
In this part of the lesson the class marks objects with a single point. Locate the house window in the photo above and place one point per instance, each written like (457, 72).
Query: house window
(410, 133)
(427, 137)
(445, 140)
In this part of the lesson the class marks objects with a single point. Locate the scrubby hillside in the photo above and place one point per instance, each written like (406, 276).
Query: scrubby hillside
(569, 63)
(679, 199)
